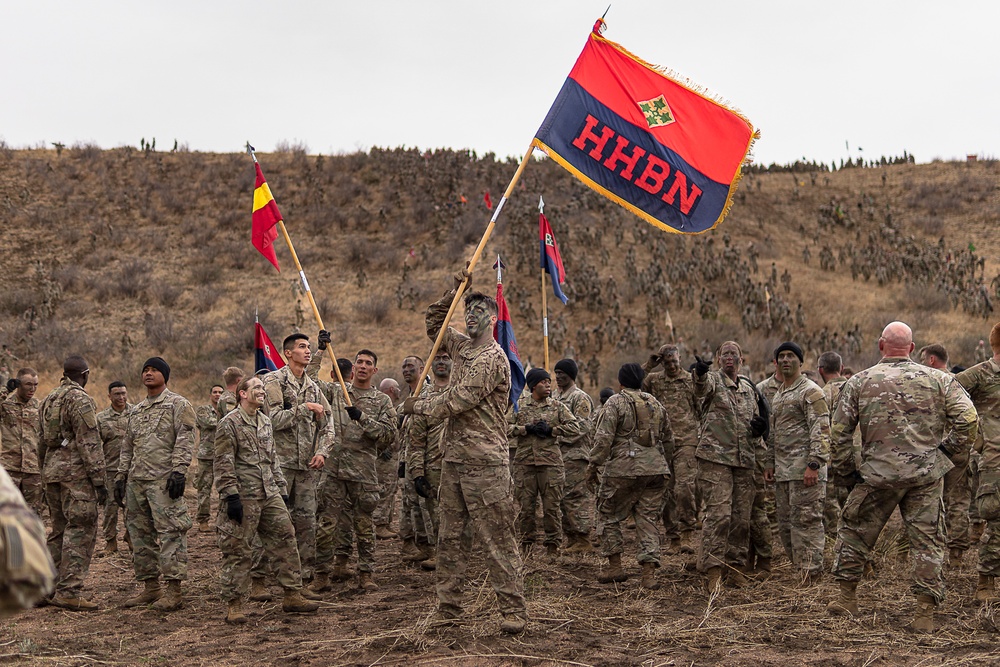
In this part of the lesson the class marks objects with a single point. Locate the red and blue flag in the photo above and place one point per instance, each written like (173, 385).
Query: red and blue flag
(655, 145)
(550, 258)
(265, 355)
(503, 333)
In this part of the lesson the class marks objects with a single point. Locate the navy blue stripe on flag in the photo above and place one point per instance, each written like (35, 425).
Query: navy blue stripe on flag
(549, 264)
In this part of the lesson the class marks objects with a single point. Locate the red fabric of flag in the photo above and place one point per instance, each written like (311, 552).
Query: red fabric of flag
(265, 217)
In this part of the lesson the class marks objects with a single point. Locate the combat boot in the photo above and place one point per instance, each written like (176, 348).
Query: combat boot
(713, 580)
(551, 550)
(513, 625)
(365, 582)
(411, 552)
(613, 572)
(259, 591)
(73, 604)
(735, 578)
(150, 594)
(687, 542)
(984, 589)
(310, 595)
(429, 564)
(955, 557)
(649, 581)
(673, 546)
(171, 599)
(762, 569)
(205, 527)
(340, 571)
(976, 531)
(578, 544)
(234, 614)
(111, 547)
(321, 583)
(923, 619)
(293, 602)
(847, 603)
(383, 532)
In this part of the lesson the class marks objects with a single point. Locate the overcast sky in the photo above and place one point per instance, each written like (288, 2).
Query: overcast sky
(886, 76)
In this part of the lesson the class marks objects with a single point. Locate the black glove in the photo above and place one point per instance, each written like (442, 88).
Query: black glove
(287, 499)
(323, 338)
(13, 384)
(386, 454)
(120, 493)
(529, 429)
(175, 485)
(102, 494)
(543, 430)
(701, 366)
(758, 426)
(354, 412)
(423, 487)
(401, 470)
(234, 508)
(287, 405)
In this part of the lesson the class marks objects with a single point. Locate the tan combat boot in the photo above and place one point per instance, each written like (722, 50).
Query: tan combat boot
(923, 619)
(110, 547)
(234, 614)
(579, 544)
(171, 600)
(309, 594)
(513, 625)
(259, 591)
(976, 531)
(613, 572)
(762, 569)
(430, 564)
(552, 550)
(410, 552)
(955, 557)
(649, 581)
(984, 589)
(365, 582)
(735, 578)
(72, 604)
(205, 526)
(383, 532)
(687, 542)
(847, 603)
(150, 594)
(713, 579)
(293, 602)
(340, 571)
(321, 583)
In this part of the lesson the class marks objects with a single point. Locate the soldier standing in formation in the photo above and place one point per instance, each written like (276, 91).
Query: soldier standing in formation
(387, 467)
(207, 420)
(577, 498)
(112, 423)
(830, 366)
(19, 437)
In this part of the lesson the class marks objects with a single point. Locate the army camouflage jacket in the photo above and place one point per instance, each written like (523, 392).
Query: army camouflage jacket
(79, 455)
(207, 419)
(357, 443)
(676, 395)
(632, 436)
(424, 435)
(982, 381)
(726, 408)
(579, 402)
(831, 390)
(19, 431)
(227, 403)
(245, 460)
(904, 410)
(769, 387)
(800, 431)
(112, 426)
(475, 403)
(297, 436)
(535, 450)
(159, 438)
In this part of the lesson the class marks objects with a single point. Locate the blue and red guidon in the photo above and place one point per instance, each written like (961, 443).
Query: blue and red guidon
(503, 332)
(265, 355)
(550, 258)
(658, 147)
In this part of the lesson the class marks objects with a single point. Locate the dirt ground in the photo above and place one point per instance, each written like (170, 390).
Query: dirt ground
(574, 621)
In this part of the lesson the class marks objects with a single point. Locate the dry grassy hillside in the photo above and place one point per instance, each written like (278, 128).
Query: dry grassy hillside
(121, 254)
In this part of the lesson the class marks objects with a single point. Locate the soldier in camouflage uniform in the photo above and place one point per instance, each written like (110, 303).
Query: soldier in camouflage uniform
(982, 381)
(412, 530)
(577, 500)
(72, 465)
(19, 428)
(27, 573)
(731, 425)
(231, 378)
(350, 490)
(112, 423)
(387, 467)
(830, 366)
(904, 411)
(207, 420)
(673, 388)
(156, 454)
(475, 475)
(798, 452)
(631, 440)
(300, 419)
(538, 464)
(253, 501)
(763, 513)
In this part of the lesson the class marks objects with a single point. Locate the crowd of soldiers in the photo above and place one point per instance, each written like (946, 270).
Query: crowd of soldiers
(307, 469)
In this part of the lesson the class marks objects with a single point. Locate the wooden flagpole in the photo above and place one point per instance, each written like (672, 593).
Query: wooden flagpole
(309, 294)
(475, 259)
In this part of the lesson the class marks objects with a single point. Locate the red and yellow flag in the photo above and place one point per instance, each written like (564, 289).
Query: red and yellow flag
(265, 216)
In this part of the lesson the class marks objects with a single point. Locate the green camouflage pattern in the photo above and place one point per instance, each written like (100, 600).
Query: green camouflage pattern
(533, 449)
(159, 439)
(726, 408)
(19, 433)
(297, 435)
(157, 525)
(245, 459)
(76, 453)
(800, 430)
(207, 419)
(627, 448)
(268, 519)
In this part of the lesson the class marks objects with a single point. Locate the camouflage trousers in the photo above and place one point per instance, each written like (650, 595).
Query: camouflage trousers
(974, 475)
(988, 509)
(109, 526)
(157, 525)
(728, 494)
(418, 518)
(800, 523)
(31, 487)
(475, 501)
(680, 500)
(73, 512)
(530, 483)
(760, 520)
(388, 481)
(836, 498)
(203, 482)
(577, 498)
(957, 501)
(302, 496)
(269, 520)
(346, 512)
(865, 514)
(639, 497)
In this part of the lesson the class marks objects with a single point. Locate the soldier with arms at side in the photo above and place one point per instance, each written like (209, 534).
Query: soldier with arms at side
(208, 419)
(19, 427)
(577, 500)
(113, 422)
